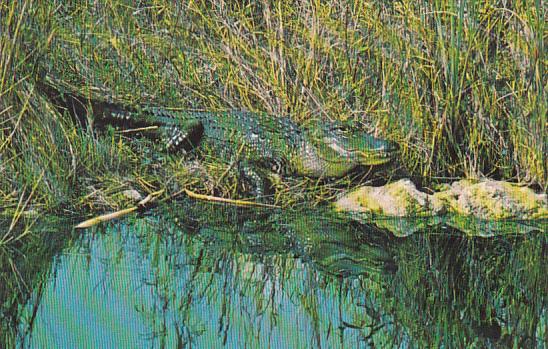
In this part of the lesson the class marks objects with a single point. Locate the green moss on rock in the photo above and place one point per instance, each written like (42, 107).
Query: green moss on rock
(488, 199)
(399, 199)
(483, 208)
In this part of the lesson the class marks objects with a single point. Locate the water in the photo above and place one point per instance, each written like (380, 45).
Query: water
(209, 276)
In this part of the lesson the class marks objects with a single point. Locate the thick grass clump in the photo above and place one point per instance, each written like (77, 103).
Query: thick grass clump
(459, 85)
(46, 161)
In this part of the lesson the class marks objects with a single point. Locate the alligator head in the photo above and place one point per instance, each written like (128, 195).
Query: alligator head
(339, 147)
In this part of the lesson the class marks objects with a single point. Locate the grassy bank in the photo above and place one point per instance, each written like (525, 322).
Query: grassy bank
(459, 85)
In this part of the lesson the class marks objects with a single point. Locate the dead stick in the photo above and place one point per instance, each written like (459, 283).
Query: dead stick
(113, 215)
(229, 201)
(148, 128)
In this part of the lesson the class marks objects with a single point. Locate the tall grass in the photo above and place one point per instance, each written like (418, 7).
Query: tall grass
(459, 84)
(44, 156)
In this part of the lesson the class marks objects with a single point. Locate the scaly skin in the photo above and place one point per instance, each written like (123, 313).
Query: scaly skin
(324, 149)
(319, 149)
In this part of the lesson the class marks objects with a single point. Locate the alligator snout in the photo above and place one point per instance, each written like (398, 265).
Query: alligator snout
(376, 151)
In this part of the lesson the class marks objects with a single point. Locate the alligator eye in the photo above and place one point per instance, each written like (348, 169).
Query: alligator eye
(340, 129)
(335, 128)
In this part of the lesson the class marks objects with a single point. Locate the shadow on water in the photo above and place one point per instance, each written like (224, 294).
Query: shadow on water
(199, 275)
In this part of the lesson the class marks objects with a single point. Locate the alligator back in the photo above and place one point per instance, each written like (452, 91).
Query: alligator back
(326, 150)
(252, 136)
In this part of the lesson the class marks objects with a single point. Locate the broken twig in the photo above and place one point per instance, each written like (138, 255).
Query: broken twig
(113, 215)
(229, 201)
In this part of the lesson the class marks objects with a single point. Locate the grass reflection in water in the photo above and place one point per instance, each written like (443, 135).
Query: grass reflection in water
(212, 276)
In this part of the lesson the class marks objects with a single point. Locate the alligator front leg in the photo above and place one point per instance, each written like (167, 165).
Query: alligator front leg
(255, 178)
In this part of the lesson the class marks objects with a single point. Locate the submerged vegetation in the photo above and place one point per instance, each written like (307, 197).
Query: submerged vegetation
(459, 85)
(194, 275)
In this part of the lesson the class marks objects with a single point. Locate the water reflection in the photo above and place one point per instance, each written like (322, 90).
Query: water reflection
(212, 276)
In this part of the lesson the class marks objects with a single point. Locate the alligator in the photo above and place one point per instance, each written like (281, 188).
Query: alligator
(319, 149)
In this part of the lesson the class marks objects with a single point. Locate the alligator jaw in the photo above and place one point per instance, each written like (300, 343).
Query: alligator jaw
(366, 157)
(371, 158)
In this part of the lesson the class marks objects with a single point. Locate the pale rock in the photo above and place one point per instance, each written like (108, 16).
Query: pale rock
(489, 199)
(132, 194)
(398, 199)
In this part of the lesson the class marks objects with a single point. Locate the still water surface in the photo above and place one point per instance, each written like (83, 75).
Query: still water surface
(207, 276)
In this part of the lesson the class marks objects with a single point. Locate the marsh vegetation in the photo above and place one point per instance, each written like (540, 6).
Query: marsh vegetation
(460, 86)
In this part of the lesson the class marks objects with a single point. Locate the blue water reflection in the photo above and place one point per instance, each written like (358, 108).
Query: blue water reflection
(212, 278)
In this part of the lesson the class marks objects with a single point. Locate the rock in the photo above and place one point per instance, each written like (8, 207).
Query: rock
(132, 194)
(489, 199)
(484, 208)
(398, 199)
